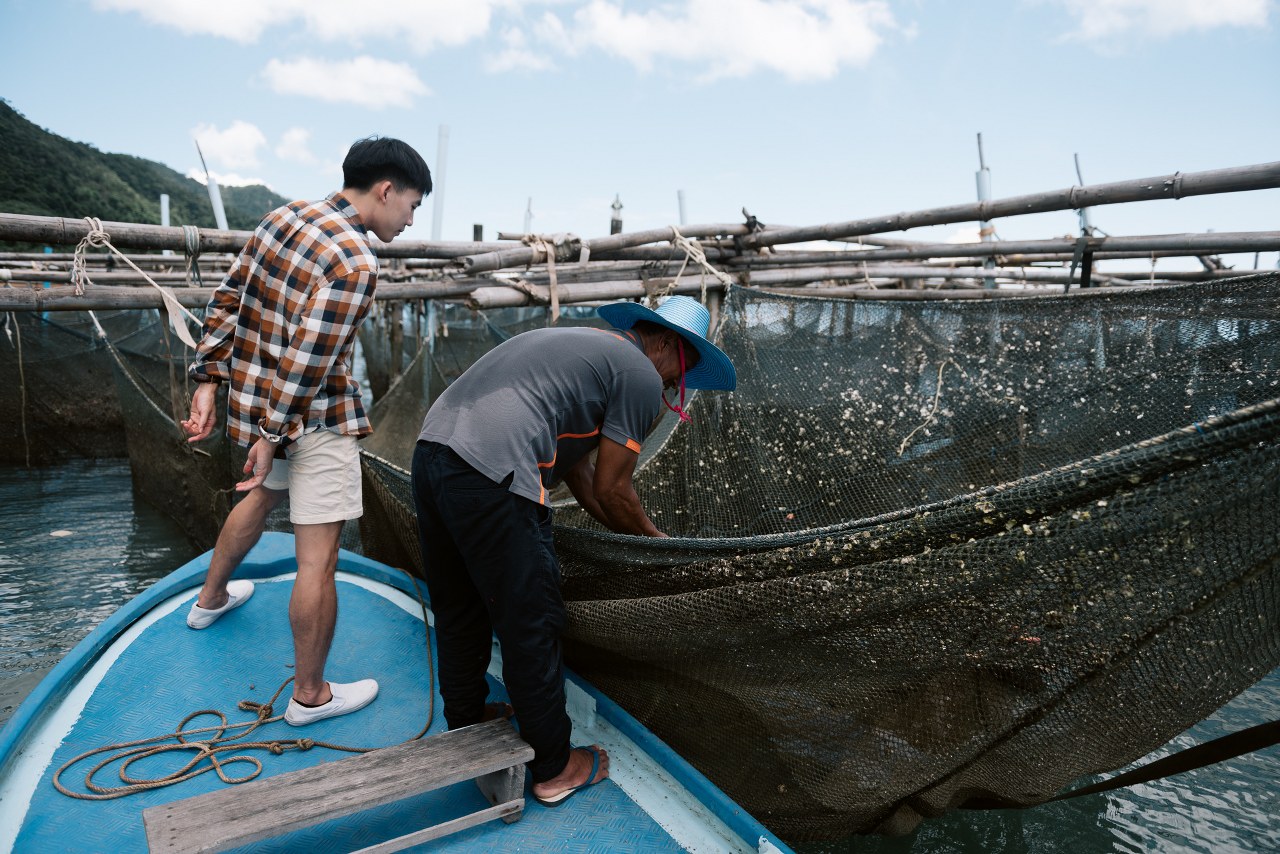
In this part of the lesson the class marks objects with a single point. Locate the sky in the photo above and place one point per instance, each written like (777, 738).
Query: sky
(798, 111)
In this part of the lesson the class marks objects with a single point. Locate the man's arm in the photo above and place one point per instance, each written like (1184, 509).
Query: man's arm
(614, 494)
(213, 354)
(579, 479)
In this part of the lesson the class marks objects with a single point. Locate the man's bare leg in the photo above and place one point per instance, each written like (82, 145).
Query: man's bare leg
(313, 609)
(241, 532)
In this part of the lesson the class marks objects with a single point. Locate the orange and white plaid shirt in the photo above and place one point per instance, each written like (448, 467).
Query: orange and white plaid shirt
(282, 326)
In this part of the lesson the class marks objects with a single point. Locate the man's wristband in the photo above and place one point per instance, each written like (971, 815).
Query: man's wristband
(273, 438)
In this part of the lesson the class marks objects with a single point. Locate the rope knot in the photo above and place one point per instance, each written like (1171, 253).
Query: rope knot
(276, 748)
(694, 252)
(191, 241)
(80, 277)
(262, 710)
(95, 238)
(305, 744)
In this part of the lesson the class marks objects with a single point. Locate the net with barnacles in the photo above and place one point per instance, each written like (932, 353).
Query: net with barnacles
(933, 552)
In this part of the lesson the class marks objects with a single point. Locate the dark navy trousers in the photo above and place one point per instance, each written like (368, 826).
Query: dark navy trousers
(491, 568)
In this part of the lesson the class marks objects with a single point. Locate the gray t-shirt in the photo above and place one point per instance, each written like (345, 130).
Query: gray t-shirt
(537, 403)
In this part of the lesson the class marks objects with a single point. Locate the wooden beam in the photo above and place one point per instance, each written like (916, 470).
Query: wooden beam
(1176, 186)
(943, 294)
(525, 255)
(265, 808)
(66, 231)
(1162, 245)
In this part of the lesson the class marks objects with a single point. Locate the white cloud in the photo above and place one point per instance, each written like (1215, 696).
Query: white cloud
(516, 55)
(1107, 20)
(239, 20)
(236, 147)
(293, 146)
(226, 179)
(423, 25)
(366, 81)
(799, 39)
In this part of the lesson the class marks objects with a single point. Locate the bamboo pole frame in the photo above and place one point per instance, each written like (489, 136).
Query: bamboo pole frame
(1137, 246)
(1179, 185)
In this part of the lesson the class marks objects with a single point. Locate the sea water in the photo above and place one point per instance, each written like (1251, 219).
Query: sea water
(76, 542)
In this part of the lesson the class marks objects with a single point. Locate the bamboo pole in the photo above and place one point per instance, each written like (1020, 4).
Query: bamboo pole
(502, 297)
(481, 293)
(764, 278)
(1163, 245)
(105, 297)
(210, 260)
(95, 298)
(99, 277)
(525, 255)
(1176, 186)
(973, 293)
(64, 231)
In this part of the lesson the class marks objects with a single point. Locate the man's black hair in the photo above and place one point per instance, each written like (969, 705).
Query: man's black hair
(377, 159)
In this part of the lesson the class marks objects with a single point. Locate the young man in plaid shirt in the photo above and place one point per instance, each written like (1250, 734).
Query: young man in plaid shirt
(280, 331)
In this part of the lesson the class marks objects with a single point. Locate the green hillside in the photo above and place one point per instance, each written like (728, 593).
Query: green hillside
(45, 174)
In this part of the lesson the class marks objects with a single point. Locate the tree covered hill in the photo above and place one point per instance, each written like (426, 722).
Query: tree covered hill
(42, 173)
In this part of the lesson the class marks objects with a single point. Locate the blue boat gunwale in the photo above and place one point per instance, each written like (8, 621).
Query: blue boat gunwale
(273, 556)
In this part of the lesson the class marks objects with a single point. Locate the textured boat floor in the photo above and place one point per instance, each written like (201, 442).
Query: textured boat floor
(171, 671)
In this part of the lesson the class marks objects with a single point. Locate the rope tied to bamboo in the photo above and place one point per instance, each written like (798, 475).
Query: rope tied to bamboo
(694, 252)
(191, 247)
(552, 248)
(97, 237)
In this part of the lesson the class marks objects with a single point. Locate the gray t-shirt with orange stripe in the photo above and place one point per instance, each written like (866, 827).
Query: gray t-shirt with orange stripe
(537, 403)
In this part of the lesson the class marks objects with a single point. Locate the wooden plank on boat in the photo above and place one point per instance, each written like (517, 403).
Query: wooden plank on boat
(490, 753)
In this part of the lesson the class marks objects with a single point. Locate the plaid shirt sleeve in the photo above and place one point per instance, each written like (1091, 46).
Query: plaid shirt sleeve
(213, 354)
(326, 329)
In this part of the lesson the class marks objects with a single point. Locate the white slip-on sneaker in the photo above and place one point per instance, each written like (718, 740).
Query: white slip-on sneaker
(347, 697)
(238, 592)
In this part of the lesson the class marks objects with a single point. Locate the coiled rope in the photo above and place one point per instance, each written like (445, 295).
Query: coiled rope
(220, 749)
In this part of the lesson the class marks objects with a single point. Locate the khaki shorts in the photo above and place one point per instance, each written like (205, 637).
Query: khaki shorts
(321, 473)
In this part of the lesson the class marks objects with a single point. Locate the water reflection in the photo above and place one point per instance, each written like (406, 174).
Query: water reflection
(1231, 807)
(55, 589)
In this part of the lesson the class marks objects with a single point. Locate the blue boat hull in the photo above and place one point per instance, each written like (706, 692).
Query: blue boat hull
(140, 673)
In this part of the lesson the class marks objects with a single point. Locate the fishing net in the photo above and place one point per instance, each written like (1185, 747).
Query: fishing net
(56, 391)
(934, 553)
(191, 484)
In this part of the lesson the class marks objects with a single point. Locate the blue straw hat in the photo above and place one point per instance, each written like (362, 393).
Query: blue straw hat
(689, 318)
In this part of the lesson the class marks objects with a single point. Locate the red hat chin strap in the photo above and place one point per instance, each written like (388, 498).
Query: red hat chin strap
(679, 410)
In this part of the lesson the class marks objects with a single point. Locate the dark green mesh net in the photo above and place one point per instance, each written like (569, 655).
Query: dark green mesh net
(57, 393)
(934, 552)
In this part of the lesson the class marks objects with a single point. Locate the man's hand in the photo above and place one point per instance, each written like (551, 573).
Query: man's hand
(203, 417)
(258, 465)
